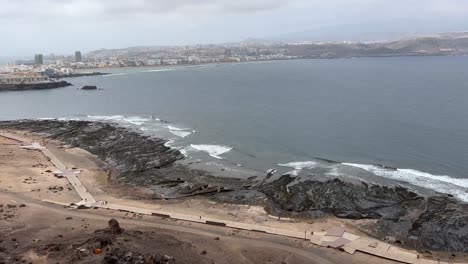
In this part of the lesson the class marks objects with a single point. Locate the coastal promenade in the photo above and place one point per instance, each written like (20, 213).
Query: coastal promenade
(337, 237)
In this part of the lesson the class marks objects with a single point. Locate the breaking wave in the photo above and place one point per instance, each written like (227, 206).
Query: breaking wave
(213, 150)
(105, 118)
(136, 120)
(160, 70)
(115, 74)
(299, 165)
(439, 183)
(180, 132)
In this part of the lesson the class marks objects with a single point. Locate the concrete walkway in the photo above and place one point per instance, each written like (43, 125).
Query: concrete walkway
(336, 238)
(86, 197)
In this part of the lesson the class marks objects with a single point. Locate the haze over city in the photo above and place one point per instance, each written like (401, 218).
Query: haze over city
(53, 26)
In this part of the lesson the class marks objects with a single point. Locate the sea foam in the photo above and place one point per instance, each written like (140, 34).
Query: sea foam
(213, 150)
(160, 70)
(115, 74)
(180, 132)
(439, 183)
(105, 118)
(299, 165)
(136, 120)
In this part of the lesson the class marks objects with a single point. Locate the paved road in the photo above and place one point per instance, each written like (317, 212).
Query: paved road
(315, 255)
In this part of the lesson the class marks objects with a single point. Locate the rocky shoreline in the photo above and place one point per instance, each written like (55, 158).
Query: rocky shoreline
(392, 213)
(33, 86)
(74, 75)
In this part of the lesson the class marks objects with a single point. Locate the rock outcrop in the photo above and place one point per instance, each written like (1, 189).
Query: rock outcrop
(135, 160)
(33, 86)
(434, 223)
(80, 74)
(89, 87)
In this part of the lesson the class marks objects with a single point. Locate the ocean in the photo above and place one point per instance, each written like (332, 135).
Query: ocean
(402, 120)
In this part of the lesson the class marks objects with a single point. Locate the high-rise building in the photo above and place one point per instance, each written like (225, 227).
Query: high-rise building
(78, 57)
(38, 59)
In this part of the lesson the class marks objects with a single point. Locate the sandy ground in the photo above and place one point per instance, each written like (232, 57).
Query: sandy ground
(46, 233)
(30, 173)
(26, 178)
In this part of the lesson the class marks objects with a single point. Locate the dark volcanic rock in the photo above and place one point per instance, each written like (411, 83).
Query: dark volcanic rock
(114, 227)
(55, 76)
(341, 198)
(436, 223)
(134, 159)
(33, 86)
(442, 225)
(89, 87)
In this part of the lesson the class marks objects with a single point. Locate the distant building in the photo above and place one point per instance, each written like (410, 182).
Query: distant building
(38, 59)
(78, 57)
(25, 78)
(24, 62)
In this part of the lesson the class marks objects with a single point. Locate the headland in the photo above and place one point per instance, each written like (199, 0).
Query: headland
(34, 86)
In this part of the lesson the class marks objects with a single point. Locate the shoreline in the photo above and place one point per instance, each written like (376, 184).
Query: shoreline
(81, 74)
(96, 180)
(33, 86)
(196, 205)
(377, 222)
(266, 61)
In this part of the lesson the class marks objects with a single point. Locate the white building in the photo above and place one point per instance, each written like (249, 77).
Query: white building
(23, 78)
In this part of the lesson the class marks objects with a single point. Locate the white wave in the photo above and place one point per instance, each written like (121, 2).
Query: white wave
(180, 132)
(292, 173)
(184, 151)
(213, 150)
(46, 118)
(136, 120)
(299, 165)
(106, 118)
(177, 128)
(169, 143)
(68, 119)
(115, 74)
(160, 70)
(439, 183)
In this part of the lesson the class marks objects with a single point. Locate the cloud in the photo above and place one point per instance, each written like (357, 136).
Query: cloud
(34, 10)
(67, 24)
(40, 9)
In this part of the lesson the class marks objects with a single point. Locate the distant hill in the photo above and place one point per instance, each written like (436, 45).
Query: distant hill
(436, 44)
(394, 29)
(454, 43)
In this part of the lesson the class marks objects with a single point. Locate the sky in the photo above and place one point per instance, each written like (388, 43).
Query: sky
(63, 26)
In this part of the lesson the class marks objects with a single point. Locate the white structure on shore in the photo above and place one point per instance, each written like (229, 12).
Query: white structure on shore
(23, 78)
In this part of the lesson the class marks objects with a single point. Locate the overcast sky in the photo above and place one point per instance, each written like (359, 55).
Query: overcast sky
(63, 26)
